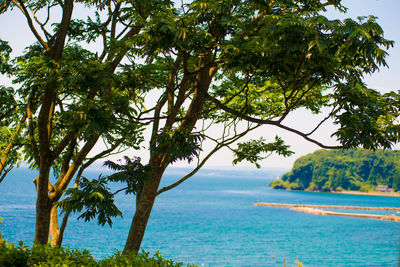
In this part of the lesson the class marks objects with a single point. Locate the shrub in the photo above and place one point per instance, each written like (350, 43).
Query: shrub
(312, 187)
(277, 184)
(367, 187)
(140, 259)
(46, 256)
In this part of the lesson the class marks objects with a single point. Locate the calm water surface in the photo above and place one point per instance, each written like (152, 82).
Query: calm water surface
(210, 220)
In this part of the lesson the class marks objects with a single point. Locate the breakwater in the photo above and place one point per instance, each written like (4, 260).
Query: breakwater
(318, 210)
(324, 206)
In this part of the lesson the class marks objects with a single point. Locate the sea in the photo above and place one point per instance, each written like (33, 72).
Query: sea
(211, 220)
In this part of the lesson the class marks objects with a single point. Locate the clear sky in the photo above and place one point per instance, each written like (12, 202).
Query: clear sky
(13, 29)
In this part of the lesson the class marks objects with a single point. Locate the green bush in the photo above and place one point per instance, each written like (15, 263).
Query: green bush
(312, 187)
(277, 184)
(367, 188)
(46, 256)
(141, 259)
(1, 235)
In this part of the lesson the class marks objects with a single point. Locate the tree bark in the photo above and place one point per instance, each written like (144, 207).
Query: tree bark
(43, 206)
(143, 210)
(54, 230)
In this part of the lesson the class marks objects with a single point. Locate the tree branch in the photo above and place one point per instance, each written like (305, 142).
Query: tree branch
(62, 145)
(5, 172)
(4, 153)
(226, 143)
(21, 6)
(32, 134)
(61, 184)
(268, 122)
(58, 46)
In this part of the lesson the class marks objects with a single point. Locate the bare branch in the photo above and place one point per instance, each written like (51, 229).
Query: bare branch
(60, 36)
(63, 182)
(62, 144)
(46, 33)
(268, 122)
(5, 172)
(21, 6)
(68, 156)
(323, 121)
(119, 190)
(114, 20)
(31, 129)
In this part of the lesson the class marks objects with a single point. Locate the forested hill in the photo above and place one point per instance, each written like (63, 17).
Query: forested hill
(328, 170)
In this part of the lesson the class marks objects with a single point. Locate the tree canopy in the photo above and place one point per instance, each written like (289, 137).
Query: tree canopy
(191, 72)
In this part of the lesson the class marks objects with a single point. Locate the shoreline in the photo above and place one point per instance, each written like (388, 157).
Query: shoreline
(370, 193)
(374, 193)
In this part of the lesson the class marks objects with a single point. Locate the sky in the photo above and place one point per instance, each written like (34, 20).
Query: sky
(13, 29)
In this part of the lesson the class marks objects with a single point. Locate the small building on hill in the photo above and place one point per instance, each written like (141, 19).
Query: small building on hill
(383, 188)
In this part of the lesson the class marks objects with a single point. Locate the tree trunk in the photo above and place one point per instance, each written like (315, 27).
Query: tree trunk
(143, 209)
(43, 206)
(54, 230)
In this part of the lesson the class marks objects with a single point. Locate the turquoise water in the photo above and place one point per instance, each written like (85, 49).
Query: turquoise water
(210, 220)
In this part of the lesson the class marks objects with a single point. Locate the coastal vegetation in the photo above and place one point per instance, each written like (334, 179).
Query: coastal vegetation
(338, 170)
(190, 73)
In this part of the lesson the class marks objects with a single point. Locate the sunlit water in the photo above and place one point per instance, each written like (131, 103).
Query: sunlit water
(210, 220)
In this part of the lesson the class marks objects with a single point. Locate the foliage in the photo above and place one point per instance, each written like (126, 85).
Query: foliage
(180, 144)
(357, 169)
(1, 235)
(10, 116)
(133, 173)
(46, 256)
(139, 259)
(95, 198)
(252, 151)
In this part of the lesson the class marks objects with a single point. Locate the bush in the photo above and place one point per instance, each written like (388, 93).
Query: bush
(367, 187)
(1, 235)
(312, 187)
(141, 259)
(277, 184)
(46, 256)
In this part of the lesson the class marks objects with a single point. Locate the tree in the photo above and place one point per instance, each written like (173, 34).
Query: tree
(239, 65)
(10, 121)
(73, 97)
(257, 62)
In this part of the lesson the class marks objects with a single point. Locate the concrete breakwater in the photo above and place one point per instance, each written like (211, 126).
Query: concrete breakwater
(324, 206)
(316, 209)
